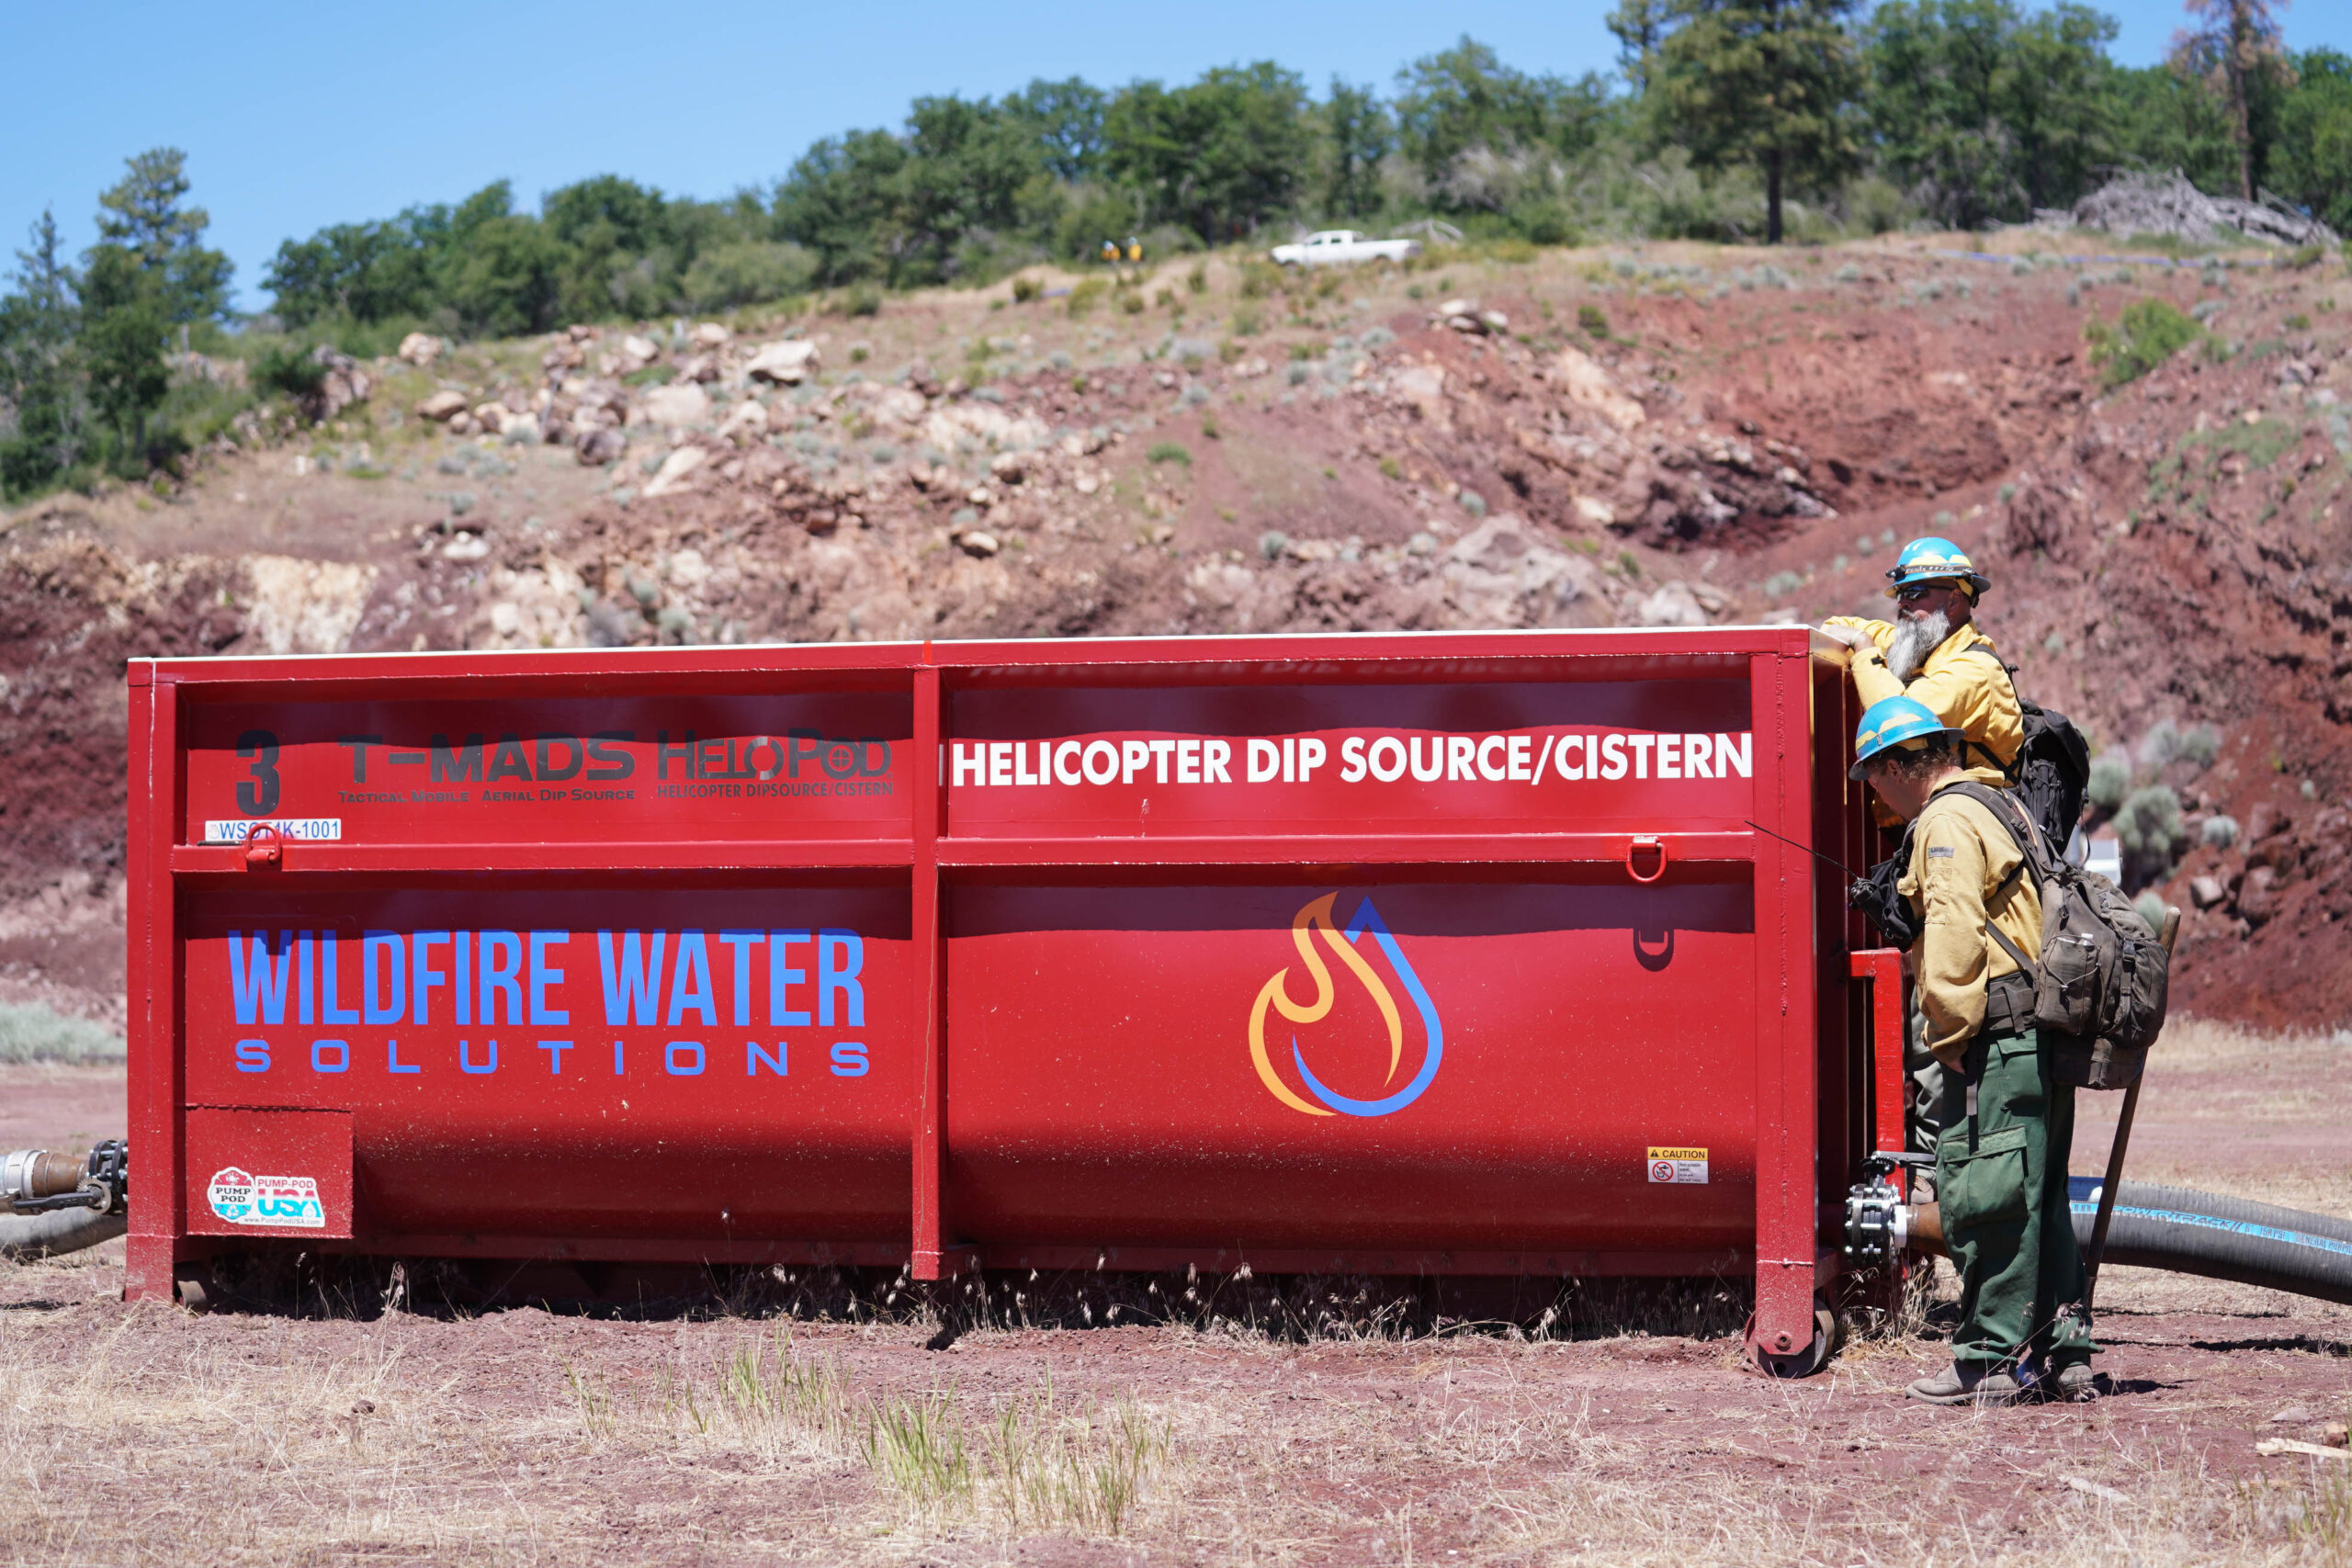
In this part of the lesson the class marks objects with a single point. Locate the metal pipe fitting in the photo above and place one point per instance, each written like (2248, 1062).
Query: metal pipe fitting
(41, 1173)
(35, 1181)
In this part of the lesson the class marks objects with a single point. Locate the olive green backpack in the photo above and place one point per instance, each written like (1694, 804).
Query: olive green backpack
(2099, 981)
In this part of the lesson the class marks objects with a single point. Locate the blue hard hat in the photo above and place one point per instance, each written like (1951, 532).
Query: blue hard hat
(1891, 722)
(1923, 560)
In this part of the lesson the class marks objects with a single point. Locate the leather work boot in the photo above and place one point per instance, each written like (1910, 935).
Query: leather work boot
(2075, 1384)
(1957, 1385)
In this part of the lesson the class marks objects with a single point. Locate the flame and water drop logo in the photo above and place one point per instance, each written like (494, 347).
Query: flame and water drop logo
(1316, 918)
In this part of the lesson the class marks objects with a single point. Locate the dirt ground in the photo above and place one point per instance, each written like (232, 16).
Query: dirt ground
(142, 1434)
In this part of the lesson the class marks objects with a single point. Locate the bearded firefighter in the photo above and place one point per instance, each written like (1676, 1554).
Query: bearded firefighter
(1932, 653)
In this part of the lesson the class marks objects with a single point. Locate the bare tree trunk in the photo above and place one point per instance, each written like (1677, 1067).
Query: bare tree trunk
(2241, 126)
(1772, 197)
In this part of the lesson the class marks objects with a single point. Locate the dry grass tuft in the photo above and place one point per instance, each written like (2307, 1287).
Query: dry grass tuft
(1027, 1459)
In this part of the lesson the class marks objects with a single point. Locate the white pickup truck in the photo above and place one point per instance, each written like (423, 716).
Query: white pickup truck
(1343, 247)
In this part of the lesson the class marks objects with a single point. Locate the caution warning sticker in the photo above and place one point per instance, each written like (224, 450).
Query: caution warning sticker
(1684, 1168)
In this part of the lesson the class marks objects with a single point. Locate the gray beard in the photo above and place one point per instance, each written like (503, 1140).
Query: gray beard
(1914, 640)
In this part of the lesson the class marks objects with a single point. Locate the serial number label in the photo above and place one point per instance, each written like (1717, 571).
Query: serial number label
(315, 829)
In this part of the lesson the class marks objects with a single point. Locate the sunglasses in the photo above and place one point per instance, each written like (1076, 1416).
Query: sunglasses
(1919, 591)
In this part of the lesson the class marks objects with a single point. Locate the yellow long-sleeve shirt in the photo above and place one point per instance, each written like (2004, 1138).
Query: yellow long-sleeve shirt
(1967, 689)
(1963, 863)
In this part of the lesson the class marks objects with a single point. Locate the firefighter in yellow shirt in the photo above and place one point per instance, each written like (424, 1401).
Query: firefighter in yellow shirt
(1932, 653)
(2008, 1124)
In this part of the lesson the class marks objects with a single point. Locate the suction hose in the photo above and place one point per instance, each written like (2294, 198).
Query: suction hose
(28, 1237)
(2220, 1238)
(52, 1203)
(2185, 1232)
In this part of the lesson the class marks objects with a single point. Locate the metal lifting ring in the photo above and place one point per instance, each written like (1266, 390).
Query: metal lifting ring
(1639, 843)
(261, 850)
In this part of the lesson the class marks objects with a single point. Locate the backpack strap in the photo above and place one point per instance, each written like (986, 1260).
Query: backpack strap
(2008, 770)
(2030, 850)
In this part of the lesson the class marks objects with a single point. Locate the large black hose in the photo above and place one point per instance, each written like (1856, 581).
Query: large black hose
(2220, 1238)
(60, 1231)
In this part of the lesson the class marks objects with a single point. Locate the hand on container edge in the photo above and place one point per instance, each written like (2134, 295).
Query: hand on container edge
(1853, 638)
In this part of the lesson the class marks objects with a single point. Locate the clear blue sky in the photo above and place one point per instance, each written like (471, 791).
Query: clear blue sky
(295, 116)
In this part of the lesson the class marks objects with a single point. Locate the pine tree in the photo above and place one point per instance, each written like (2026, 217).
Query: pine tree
(2234, 50)
(1639, 26)
(37, 328)
(1767, 83)
(125, 325)
(142, 214)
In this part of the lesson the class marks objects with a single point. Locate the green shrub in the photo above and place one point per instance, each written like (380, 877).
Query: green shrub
(860, 299)
(196, 411)
(1591, 321)
(1876, 206)
(1260, 278)
(1197, 279)
(1541, 223)
(2110, 780)
(651, 376)
(288, 368)
(2149, 827)
(1088, 291)
(1171, 452)
(2150, 332)
(1026, 290)
(2220, 831)
(2151, 910)
(749, 272)
(31, 1033)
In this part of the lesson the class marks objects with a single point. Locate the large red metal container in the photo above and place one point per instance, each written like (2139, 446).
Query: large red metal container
(1461, 954)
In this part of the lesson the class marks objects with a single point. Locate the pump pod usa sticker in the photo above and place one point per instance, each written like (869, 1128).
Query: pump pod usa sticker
(289, 1201)
(1679, 1167)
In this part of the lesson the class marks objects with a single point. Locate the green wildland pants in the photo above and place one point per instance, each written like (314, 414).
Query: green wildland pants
(2001, 1184)
(1923, 1081)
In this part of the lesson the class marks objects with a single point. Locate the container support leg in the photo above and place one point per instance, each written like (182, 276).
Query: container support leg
(153, 1094)
(929, 1254)
(1786, 1151)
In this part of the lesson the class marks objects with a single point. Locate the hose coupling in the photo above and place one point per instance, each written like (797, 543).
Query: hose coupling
(1879, 1223)
(37, 1181)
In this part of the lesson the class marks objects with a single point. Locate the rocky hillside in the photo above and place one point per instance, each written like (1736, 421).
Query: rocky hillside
(1677, 436)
